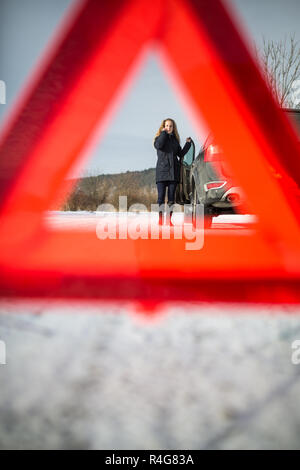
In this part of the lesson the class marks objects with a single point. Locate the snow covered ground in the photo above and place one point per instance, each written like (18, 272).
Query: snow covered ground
(88, 220)
(100, 375)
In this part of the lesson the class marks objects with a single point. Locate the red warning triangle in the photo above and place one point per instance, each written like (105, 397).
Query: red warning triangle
(79, 84)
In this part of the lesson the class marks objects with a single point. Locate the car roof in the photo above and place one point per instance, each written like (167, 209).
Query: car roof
(294, 116)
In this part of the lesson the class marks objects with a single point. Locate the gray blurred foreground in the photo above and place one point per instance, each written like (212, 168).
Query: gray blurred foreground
(99, 376)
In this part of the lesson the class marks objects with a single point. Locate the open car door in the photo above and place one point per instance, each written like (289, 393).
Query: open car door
(183, 187)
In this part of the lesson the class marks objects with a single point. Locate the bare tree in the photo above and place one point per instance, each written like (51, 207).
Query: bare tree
(280, 63)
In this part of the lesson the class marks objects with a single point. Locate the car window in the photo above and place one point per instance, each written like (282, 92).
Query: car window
(209, 140)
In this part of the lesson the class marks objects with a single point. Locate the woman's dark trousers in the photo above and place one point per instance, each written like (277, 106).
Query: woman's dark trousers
(161, 190)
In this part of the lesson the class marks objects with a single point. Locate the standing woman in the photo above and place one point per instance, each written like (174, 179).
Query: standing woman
(169, 155)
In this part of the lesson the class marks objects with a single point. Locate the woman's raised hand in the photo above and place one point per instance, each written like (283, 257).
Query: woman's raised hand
(188, 139)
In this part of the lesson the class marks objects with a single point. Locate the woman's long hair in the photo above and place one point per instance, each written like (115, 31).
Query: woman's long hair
(163, 125)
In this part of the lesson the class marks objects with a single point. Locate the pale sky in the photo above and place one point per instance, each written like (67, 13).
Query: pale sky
(27, 25)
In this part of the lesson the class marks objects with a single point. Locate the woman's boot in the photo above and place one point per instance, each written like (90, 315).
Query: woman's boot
(169, 213)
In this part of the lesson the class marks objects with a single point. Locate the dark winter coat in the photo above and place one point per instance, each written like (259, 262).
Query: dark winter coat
(169, 155)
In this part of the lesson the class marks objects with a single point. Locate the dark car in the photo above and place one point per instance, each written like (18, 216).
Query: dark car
(207, 179)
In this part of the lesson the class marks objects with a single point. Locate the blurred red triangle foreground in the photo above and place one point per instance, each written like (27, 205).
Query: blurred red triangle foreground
(75, 88)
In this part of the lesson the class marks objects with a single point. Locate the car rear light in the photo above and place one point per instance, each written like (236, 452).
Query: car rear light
(212, 153)
(233, 198)
(214, 185)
